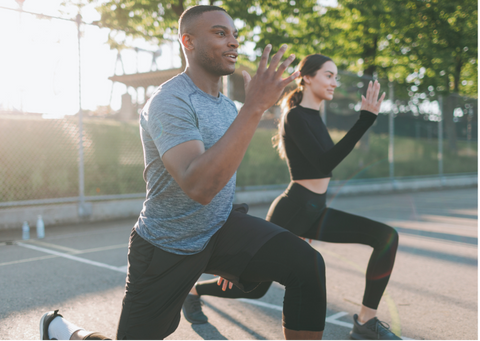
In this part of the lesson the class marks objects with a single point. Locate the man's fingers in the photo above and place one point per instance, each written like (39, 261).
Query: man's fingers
(281, 69)
(264, 59)
(230, 285)
(246, 78)
(277, 57)
(290, 78)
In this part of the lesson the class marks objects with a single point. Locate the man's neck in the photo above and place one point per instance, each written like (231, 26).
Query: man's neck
(206, 82)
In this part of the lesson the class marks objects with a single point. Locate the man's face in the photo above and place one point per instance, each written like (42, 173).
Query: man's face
(215, 41)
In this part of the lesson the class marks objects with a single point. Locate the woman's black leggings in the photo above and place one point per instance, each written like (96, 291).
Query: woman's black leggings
(305, 213)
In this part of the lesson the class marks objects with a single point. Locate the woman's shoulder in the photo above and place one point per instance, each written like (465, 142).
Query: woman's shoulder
(295, 114)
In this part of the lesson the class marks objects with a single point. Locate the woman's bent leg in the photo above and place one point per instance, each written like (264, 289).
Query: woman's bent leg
(340, 227)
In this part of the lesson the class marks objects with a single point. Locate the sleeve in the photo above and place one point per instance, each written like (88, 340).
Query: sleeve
(171, 121)
(322, 159)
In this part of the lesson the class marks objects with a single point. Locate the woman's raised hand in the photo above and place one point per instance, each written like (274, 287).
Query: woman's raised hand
(371, 102)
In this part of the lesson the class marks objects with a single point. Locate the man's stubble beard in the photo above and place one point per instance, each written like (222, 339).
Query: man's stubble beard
(212, 66)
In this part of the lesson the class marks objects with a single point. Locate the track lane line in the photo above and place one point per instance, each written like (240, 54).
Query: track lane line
(121, 269)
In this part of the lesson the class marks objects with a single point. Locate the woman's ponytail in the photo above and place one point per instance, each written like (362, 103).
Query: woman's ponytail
(308, 66)
(287, 102)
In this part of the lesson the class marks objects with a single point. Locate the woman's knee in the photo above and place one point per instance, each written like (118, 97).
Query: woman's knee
(385, 237)
(391, 237)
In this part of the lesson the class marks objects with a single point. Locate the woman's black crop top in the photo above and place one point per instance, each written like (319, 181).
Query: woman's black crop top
(311, 153)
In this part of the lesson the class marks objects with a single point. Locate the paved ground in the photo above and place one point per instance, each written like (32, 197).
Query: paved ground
(432, 294)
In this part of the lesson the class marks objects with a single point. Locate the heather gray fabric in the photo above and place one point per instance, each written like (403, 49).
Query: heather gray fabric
(179, 112)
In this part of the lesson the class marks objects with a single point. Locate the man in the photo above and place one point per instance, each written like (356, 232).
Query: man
(193, 143)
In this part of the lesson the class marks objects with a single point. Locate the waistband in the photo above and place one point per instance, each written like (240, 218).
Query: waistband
(303, 195)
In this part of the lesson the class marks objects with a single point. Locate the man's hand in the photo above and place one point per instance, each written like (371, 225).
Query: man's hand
(225, 283)
(263, 90)
(370, 102)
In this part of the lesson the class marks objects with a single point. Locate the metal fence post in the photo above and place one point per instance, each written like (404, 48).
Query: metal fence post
(391, 133)
(440, 139)
(81, 176)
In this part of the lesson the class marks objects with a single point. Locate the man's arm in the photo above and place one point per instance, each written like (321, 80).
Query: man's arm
(202, 174)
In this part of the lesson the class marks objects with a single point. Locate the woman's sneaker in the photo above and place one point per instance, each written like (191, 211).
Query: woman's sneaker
(373, 329)
(192, 310)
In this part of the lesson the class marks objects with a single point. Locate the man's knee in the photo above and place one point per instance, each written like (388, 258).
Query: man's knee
(309, 268)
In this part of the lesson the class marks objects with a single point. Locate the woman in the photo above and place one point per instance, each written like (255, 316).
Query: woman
(311, 155)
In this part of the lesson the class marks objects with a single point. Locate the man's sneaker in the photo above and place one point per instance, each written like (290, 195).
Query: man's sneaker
(45, 321)
(373, 329)
(192, 310)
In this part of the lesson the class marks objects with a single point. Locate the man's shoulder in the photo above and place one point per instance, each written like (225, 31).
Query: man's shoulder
(177, 85)
(174, 92)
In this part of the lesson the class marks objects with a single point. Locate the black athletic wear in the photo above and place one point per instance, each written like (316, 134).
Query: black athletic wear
(310, 151)
(158, 282)
(305, 214)
(312, 155)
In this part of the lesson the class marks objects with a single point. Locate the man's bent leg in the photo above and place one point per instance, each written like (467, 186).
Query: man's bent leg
(292, 262)
(157, 284)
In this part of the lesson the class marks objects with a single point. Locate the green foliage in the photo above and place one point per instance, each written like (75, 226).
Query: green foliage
(436, 44)
(424, 44)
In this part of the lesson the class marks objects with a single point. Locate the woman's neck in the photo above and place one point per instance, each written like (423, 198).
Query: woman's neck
(310, 101)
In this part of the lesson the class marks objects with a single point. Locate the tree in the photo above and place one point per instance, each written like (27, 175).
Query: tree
(437, 45)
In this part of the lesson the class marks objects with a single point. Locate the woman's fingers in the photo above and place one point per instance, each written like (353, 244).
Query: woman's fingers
(373, 91)
(379, 103)
(372, 87)
(376, 90)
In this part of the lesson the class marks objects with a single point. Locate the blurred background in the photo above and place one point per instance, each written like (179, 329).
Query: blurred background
(75, 74)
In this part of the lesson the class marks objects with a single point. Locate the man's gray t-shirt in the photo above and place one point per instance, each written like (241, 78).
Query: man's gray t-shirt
(179, 112)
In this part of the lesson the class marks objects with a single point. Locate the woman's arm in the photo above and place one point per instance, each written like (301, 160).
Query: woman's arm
(326, 160)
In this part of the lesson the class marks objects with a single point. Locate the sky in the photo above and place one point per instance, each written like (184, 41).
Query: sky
(39, 69)
(39, 63)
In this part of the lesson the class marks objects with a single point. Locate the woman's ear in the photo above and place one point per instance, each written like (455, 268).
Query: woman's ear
(306, 79)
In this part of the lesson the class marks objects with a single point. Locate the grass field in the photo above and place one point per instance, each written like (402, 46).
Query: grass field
(39, 159)
(413, 157)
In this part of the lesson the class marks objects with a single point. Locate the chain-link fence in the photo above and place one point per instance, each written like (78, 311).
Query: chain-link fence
(63, 152)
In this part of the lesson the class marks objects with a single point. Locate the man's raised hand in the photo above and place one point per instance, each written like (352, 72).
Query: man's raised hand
(263, 90)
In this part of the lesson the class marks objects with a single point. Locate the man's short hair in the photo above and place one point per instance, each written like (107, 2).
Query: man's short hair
(191, 13)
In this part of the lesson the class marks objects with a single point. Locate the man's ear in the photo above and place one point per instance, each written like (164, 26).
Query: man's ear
(187, 41)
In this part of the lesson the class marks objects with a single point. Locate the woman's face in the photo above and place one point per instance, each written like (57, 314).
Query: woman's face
(323, 84)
